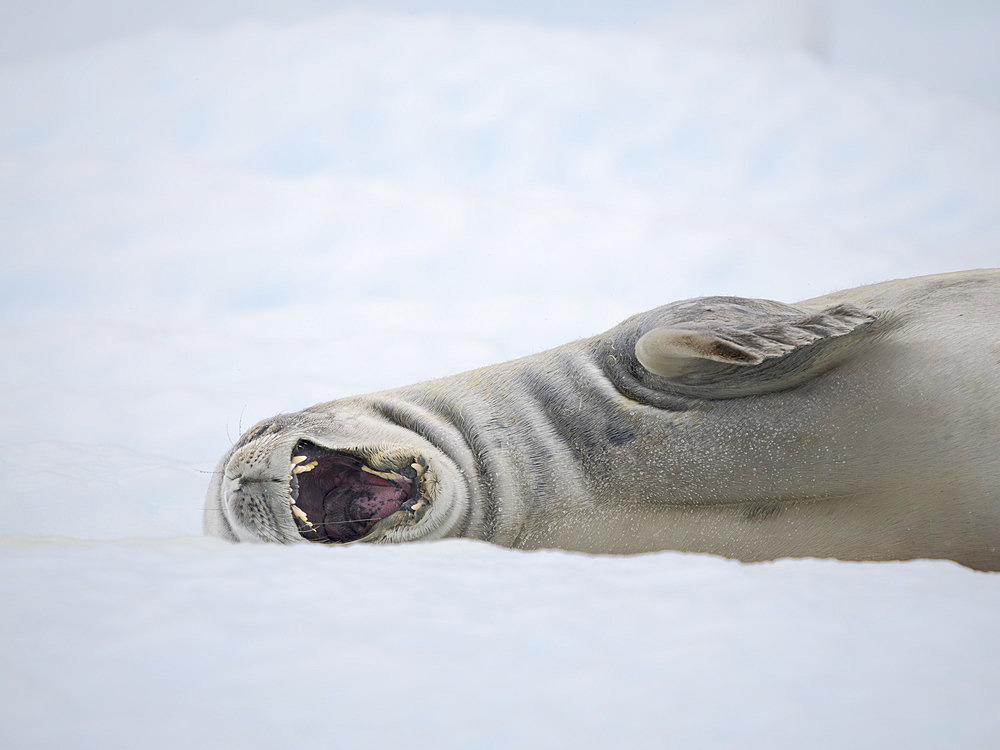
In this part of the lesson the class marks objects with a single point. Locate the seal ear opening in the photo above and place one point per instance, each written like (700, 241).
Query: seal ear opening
(750, 349)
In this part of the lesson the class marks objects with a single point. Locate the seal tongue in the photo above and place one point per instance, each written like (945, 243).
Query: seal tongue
(343, 500)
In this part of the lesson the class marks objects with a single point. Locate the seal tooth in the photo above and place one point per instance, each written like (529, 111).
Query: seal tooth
(301, 514)
(306, 467)
(419, 468)
(298, 459)
(383, 474)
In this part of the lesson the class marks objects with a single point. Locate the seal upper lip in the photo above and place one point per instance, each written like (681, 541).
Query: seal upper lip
(337, 497)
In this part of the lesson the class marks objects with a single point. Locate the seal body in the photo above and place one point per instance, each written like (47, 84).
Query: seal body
(863, 425)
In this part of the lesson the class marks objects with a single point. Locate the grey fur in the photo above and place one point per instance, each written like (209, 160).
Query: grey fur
(864, 425)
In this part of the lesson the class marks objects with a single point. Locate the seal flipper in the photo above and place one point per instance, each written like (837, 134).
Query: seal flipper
(729, 347)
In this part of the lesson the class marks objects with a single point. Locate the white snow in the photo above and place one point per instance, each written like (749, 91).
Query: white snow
(210, 216)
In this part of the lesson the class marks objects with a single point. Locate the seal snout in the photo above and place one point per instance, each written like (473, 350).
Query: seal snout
(337, 497)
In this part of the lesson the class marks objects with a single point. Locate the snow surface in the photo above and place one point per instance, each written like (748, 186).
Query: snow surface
(209, 217)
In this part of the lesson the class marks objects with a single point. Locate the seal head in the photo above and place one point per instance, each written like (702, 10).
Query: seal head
(332, 479)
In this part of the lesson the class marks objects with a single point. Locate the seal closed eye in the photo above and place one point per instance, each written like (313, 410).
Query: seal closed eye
(336, 497)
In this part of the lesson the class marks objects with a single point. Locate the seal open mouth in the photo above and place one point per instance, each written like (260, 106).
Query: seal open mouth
(337, 497)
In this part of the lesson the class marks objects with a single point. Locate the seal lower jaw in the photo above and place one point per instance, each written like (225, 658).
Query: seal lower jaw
(337, 497)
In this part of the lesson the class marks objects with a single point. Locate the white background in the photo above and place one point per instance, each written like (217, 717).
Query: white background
(210, 215)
